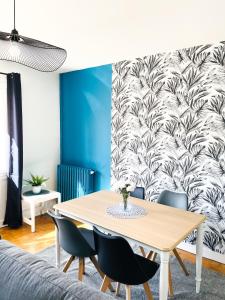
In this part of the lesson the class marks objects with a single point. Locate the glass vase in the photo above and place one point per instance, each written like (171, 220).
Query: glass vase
(125, 200)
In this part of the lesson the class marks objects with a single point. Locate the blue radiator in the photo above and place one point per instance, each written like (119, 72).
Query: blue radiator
(74, 182)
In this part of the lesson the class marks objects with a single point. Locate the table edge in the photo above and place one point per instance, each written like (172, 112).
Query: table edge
(160, 249)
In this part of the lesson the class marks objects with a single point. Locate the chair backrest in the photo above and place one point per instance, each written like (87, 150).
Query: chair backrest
(139, 192)
(117, 260)
(70, 238)
(174, 199)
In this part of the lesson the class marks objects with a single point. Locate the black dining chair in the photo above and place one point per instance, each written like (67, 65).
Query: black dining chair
(174, 199)
(138, 192)
(120, 264)
(78, 242)
(177, 200)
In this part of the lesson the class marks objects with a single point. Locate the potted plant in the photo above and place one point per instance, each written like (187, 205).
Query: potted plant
(36, 182)
(125, 192)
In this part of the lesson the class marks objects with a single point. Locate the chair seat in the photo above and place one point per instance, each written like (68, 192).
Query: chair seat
(149, 267)
(89, 237)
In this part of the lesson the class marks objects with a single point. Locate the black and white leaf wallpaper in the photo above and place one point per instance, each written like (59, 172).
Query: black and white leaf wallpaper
(168, 130)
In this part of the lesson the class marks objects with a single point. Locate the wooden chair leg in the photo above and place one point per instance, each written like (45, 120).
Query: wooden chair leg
(180, 262)
(84, 267)
(148, 291)
(105, 284)
(153, 257)
(128, 292)
(171, 294)
(142, 251)
(149, 255)
(95, 263)
(69, 262)
(81, 268)
(117, 289)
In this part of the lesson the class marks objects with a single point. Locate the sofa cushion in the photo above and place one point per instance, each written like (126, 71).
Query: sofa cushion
(26, 276)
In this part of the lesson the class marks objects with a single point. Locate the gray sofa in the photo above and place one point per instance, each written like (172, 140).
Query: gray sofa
(24, 276)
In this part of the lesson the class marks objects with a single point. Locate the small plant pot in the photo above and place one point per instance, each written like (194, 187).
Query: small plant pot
(36, 189)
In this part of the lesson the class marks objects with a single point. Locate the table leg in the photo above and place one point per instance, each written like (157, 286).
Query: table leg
(57, 245)
(59, 198)
(164, 269)
(199, 250)
(32, 216)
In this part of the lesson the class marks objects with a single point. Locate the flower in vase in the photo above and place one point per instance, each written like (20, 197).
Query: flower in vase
(125, 191)
(130, 188)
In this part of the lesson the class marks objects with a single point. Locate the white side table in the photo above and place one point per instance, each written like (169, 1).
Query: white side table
(32, 200)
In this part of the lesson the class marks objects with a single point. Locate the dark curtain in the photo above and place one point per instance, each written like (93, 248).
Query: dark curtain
(13, 216)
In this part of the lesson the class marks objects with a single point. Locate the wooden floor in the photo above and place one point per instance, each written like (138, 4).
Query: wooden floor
(45, 237)
(31, 242)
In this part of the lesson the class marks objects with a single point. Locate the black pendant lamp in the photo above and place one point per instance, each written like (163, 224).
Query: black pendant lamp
(29, 52)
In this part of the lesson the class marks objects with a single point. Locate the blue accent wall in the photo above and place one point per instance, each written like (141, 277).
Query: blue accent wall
(85, 118)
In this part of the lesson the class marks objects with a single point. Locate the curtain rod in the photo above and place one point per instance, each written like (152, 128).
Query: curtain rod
(1, 73)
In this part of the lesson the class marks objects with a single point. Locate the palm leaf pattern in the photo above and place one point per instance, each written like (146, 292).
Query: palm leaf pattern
(168, 127)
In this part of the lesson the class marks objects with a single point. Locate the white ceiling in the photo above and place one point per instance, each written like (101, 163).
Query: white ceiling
(96, 32)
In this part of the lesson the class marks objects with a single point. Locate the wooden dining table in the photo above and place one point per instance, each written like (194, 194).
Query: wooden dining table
(160, 230)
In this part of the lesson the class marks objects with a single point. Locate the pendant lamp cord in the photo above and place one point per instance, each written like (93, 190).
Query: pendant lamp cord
(14, 14)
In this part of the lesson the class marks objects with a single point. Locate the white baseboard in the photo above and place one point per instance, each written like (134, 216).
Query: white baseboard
(207, 253)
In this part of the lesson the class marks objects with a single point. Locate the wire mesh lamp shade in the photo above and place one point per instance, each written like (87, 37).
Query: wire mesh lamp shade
(31, 53)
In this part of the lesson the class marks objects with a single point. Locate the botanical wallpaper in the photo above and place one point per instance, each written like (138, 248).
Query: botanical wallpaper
(168, 129)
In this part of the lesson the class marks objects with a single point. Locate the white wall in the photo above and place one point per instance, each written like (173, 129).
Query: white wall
(41, 126)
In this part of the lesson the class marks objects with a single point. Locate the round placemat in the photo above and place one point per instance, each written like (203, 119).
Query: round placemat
(30, 193)
(132, 211)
